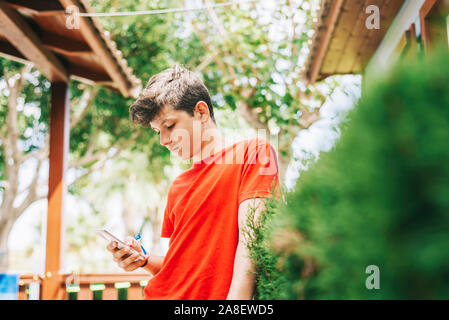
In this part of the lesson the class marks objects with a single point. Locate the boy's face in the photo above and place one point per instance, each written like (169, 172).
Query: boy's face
(178, 131)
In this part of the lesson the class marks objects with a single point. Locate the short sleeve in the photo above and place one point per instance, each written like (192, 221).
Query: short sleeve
(259, 177)
(167, 223)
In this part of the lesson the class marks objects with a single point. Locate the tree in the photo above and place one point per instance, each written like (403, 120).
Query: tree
(373, 212)
(253, 58)
(97, 134)
(99, 130)
(18, 113)
(253, 66)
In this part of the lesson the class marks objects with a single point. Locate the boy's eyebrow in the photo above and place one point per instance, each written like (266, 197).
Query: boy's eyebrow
(168, 119)
(165, 120)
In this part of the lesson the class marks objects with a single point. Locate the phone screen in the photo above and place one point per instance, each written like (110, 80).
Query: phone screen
(110, 237)
(105, 234)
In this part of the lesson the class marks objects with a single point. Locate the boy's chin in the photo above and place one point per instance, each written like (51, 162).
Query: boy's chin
(183, 157)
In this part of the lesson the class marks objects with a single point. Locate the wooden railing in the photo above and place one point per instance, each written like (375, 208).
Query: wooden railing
(108, 286)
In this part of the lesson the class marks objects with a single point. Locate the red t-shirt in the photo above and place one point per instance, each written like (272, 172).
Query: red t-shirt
(201, 220)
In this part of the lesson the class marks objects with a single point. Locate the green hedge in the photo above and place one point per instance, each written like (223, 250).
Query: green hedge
(380, 197)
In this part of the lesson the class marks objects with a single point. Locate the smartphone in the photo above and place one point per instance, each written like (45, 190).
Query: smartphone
(105, 234)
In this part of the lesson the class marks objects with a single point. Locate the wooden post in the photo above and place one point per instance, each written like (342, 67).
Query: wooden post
(434, 26)
(423, 13)
(59, 144)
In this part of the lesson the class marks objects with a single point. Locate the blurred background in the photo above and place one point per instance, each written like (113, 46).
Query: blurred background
(295, 69)
(120, 183)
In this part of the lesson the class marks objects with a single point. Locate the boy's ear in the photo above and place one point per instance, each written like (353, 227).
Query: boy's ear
(201, 111)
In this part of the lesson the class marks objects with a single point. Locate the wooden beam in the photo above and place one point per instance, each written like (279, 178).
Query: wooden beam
(10, 52)
(352, 22)
(77, 72)
(423, 12)
(412, 49)
(59, 145)
(98, 45)
(63, 45)
(40, 6)
(16, 30)
(88, 73)
(324, 43)
(434, 24)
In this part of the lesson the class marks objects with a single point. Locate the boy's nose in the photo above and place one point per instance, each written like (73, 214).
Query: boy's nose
(164, 139)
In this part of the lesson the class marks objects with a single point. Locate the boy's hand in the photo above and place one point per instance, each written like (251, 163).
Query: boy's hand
(127, 258)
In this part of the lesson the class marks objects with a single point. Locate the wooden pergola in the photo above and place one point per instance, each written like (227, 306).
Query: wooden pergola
(342, 44)
(37, 32)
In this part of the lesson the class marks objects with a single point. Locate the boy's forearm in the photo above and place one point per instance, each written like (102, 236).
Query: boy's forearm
(243, 278)
(154, 264)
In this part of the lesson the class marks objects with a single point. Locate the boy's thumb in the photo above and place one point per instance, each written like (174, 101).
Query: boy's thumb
(130, 241)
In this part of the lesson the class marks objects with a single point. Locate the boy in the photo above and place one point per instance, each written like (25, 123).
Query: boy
(208, 205)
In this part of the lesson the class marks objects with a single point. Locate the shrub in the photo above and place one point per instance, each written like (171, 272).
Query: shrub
(380, 197)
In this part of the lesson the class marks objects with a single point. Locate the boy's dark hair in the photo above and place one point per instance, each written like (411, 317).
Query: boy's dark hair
(176, 86)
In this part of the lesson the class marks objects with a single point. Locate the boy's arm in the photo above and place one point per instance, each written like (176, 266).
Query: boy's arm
(243, 278)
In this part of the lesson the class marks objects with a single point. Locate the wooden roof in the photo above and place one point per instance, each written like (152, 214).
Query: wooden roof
(342, 44)
(36, 31)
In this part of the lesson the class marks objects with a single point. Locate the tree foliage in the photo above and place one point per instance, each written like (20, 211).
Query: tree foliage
(250, 56)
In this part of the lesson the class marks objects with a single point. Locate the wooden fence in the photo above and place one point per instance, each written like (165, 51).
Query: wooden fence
(108, 286)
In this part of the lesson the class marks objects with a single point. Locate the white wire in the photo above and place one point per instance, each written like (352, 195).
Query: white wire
(148, 12)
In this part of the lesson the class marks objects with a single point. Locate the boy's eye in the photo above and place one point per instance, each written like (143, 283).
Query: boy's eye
(171, 126)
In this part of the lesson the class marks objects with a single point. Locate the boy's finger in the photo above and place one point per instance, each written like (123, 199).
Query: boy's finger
(129, 240)
(136, 264)
(132, 242)
(119, 254)
(112, 246)
(129, 260)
